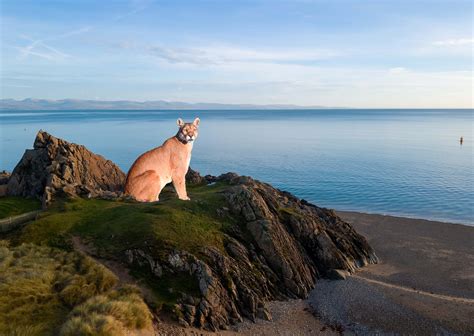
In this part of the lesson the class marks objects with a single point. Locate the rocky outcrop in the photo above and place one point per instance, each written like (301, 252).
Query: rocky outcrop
(277, 246)
(55, 166)
(278, 249)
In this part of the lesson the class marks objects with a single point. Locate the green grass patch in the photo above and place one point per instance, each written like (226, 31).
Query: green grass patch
(12, 206)
(47, 291)
(113, 226)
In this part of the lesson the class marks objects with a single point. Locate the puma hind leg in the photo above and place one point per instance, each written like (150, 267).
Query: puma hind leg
(145, 187)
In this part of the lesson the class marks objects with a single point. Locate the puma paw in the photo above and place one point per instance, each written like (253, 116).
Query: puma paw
(185, 198)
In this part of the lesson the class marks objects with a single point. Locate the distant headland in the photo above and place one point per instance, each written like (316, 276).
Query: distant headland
(80, 104)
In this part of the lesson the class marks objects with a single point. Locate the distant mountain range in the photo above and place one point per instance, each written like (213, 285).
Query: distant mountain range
(78, 104)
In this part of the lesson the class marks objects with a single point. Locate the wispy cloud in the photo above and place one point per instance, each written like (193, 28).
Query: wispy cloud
(137, 6)
(17, 86)
(454, 42)
(42, 47)
(221, 55)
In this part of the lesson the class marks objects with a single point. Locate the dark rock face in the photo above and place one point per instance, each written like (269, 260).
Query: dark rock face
(56, 166)
(278, 250)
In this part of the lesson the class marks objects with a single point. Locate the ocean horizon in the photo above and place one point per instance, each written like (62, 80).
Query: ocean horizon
(400, 162)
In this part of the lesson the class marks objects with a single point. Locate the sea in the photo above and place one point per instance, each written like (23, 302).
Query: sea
(403, 162)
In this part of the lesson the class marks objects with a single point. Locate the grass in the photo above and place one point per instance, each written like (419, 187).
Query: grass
(113, 226)
(12, 206)
(39, 286)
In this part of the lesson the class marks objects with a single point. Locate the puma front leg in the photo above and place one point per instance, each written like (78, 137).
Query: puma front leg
(179, 183)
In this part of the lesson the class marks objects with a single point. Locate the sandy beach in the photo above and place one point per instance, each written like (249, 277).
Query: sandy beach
(423, 285)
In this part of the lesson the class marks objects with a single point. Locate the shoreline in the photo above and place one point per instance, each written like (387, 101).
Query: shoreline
(406, 216)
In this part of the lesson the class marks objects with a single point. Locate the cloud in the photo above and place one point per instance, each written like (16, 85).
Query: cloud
(397, 70)
(454, 42)
(137, 6)
(221, 55)
(43, 49)
(40, 49)
(17, 86)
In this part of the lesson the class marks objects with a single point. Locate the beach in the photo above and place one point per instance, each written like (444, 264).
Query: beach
(422, 285)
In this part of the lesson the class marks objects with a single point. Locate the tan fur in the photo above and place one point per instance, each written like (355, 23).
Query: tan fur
(168, 163)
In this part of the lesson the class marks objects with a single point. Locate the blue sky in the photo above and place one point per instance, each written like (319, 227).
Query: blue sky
(356, 53)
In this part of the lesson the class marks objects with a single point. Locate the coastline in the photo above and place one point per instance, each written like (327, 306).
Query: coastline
(405, 217)
(423, 285)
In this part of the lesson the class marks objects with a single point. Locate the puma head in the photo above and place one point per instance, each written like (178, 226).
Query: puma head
(188, 131)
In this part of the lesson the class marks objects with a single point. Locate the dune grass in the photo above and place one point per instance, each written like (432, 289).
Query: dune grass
(12, 206)
(40, 285)
(112, 314)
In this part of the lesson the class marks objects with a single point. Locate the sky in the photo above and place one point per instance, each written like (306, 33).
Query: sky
(372, 54)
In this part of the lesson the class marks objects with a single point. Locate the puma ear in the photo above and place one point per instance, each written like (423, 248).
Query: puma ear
(196, 122)
(180, 122)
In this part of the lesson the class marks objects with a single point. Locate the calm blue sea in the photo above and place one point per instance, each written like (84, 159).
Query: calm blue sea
(398, 162)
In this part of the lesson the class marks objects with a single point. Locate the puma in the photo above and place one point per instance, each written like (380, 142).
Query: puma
(168, 163)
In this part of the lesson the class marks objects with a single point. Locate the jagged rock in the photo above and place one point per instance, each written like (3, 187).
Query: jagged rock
(141, 258)
(279, 249)
(55, 166)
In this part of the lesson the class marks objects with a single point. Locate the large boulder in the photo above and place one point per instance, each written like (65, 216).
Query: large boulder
(56, 166)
